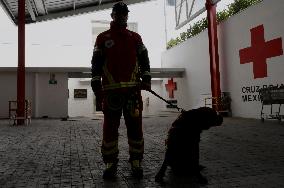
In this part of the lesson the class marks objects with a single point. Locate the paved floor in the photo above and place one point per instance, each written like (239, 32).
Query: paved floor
(54, 153)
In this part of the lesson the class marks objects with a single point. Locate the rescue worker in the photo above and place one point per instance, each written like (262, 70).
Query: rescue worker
(120, 69)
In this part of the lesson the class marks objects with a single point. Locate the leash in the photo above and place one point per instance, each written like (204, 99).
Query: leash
(171, 104)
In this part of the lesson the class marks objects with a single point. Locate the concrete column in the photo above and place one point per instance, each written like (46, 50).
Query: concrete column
(213, 50)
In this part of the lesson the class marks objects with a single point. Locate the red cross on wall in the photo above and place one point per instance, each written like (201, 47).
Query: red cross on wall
(260, 51)
(171, 86)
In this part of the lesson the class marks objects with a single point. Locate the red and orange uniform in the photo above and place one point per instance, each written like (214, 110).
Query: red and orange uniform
(119, 61)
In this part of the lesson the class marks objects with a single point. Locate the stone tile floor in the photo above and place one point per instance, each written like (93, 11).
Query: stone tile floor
(54, 153)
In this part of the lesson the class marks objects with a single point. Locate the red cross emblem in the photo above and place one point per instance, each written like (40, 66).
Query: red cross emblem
(260, 51)
(171, 86)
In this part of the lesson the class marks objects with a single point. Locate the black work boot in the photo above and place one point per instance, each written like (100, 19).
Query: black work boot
(137, 170)
(110, 171)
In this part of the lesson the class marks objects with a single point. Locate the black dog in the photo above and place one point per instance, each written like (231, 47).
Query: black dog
(182, 153)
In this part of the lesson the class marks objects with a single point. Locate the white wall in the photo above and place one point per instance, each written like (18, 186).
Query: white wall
(233, 34)
(193, 56)
(236, 76)
(8, 88)
(52, 99)
(47, 99)
(77, 106)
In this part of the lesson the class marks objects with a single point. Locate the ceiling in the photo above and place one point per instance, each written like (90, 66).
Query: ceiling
(43, 10)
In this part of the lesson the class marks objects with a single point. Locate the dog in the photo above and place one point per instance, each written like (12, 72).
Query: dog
(182, 151)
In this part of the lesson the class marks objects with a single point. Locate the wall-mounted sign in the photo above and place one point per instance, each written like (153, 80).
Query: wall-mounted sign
(52, 79)
(251, 93)
(80, 93)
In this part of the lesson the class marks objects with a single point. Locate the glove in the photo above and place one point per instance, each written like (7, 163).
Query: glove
(97, 88)
(96, 85)
(146, 82)
(99, 101)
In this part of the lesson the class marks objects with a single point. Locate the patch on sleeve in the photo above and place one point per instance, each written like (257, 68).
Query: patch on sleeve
(109, 43)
